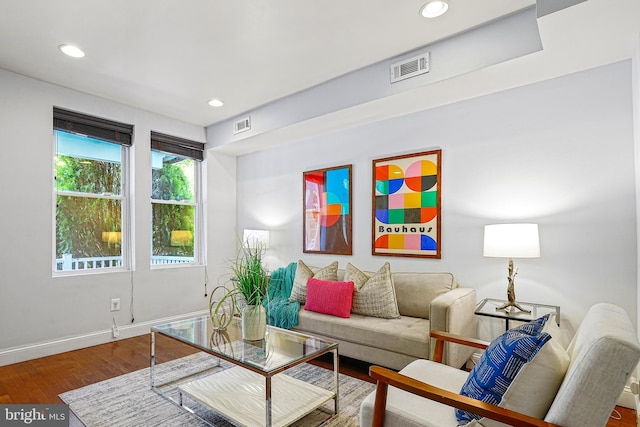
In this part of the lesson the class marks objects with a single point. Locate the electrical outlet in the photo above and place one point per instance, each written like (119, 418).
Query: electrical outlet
(115, 304)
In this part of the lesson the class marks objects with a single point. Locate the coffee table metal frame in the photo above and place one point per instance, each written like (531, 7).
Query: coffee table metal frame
(280, 350)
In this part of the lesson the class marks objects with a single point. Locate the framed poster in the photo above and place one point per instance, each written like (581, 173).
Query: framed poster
(406, 205)
(327, 211)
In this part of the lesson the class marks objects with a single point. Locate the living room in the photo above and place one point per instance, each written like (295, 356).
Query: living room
(557, 151)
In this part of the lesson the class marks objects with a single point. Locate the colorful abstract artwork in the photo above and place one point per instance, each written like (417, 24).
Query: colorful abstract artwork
(327, 211)
(406, 205)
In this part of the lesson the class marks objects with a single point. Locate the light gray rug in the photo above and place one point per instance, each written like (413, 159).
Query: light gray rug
(127, 400)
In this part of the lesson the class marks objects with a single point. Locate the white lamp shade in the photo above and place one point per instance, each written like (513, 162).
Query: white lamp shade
(253, 238)
(511, 241)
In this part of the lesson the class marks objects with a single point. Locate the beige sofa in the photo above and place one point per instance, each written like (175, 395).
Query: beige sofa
(425, 301)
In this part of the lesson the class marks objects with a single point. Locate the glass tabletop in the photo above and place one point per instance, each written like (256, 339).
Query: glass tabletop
(279, 350)
(490, 307)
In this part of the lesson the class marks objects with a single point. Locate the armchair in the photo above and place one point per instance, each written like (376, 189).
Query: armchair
(602, 355)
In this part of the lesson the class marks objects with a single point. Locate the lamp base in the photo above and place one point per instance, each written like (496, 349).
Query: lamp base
(509, 304)
(511, 293)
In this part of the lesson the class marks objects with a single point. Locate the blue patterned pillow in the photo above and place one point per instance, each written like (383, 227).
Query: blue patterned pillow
(534, 327)
(500, 363)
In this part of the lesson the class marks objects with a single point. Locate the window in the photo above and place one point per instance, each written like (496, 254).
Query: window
(90, 188)
(175, 200)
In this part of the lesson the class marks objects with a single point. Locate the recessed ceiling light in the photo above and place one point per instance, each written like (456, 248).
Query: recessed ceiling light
(434, 8)
(215, 102)
(71, 50)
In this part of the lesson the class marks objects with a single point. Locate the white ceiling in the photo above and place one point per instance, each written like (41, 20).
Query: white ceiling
(171, 57)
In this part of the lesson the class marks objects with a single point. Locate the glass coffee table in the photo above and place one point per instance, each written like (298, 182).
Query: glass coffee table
(256, 390)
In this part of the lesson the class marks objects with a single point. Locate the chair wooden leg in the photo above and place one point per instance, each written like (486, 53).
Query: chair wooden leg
(380, 406)
(438, 352)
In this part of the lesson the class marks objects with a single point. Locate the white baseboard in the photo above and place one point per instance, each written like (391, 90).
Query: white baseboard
(48, 348)
(627, 399)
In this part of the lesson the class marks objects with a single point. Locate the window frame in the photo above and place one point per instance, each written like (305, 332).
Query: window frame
(111, 132)
(168, 144)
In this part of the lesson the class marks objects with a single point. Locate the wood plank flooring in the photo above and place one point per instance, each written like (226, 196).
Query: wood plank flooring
(40, 381)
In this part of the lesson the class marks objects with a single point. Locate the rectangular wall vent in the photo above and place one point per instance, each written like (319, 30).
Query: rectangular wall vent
(242, 125)
(410, 68)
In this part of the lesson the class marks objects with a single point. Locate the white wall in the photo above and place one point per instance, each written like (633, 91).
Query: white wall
(635, 79)
(559, 153)
(35, 308)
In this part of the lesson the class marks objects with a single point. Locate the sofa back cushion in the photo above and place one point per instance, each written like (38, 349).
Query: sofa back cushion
(415, 291)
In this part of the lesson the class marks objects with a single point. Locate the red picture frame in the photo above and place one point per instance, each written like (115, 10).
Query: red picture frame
(327, 211)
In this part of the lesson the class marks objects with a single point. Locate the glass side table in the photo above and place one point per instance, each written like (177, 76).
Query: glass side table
(488, 307)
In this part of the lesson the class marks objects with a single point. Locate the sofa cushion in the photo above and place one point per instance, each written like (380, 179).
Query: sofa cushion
(404, 335)
(500, 364)
(373, 295)
(304, 273)
(427, 286)
(329, 297)
(407, 409)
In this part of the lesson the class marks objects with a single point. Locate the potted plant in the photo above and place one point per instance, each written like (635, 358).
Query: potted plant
(250, 278)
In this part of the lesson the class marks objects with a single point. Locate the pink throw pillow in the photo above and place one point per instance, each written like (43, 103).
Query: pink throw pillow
(329, 297)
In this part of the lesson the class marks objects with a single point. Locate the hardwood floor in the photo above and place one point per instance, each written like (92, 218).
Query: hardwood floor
(40, 381)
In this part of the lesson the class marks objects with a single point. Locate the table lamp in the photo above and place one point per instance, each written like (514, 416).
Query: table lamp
(511, 241)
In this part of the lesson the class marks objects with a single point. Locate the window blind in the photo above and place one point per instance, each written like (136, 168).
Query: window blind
(94, 127)
(175, 145)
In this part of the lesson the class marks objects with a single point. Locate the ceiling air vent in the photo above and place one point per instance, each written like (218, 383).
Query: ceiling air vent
(242, 125)
(410, 68)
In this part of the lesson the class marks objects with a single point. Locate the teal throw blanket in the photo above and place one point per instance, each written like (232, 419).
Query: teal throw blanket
(280, 311)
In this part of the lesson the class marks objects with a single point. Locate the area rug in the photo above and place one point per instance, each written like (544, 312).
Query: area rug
(128, 400)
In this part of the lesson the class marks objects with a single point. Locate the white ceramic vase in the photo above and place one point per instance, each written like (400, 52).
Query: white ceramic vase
(254, 322)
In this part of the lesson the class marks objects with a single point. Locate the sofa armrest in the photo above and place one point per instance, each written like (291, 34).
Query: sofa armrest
(453, 312)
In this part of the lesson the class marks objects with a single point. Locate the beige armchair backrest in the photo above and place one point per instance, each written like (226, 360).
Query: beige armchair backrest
(604, 353)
